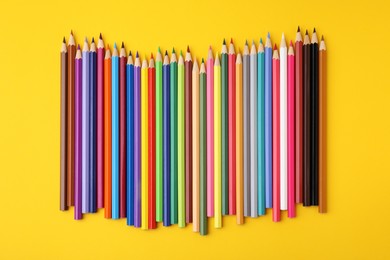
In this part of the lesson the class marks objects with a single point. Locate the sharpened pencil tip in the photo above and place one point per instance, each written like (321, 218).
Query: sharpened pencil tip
(188, 48)
(291, 44)
(173, 50)
(100, 36)
(314, 30)
(275, 47)
(307, 33)
(210, 47)
(224, 42)
(114, 45)
(71, 32)
(78, 46)
(151, 55)
(202, 60)
(299, 29)
(86, 40)
(123, 45)
(181, 53)
(253, 42)
(246, 42)
(64, 40)
(130, 54)
(93, 39)
(261, 40)
(322, 37)
(159, 51)
(137, 55)
(166, 52)
(268, 35)
(108, 46)
(231, 40)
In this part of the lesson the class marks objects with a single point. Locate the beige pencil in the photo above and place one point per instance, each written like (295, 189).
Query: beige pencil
(239, 143)
(195, 146)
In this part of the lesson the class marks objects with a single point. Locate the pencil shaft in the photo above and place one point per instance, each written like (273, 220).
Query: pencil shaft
(246, 108)
(195, 149)
(322, 170)
(225, 134)
(306, 126)
(239, 146)
(210, 137)
(188, 127)
(217, 148)
(115, 135)
(122, 137)
(298, 121)
(152, 147)
(63, 148)
(107, 139)
(276, 139)
(181, 147)
(92, 131)
(144, 147)
(70, 125)
(253, 134)
(78, 142)
(130, 143)
(291, 135)
(159, 146)
(100, 128)
(166, 145)
(283, 128)
(203, 158)
(85, 133)
(137, 146)
(232, 133)
(268, 126)
(173, 140)
(314, 123)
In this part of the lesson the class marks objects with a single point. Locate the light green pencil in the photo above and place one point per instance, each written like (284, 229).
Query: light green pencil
(159, 135)
(181, 144)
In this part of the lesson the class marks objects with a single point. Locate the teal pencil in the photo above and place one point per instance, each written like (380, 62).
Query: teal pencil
(173, 110)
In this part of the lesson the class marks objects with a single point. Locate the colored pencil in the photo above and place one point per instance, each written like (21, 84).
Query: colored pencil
(260, 129)
(64, 87)
(291, 132)
(322, 167)
(239, 143)
(268, 122)
(152, 143)
(224, 129)
(253, 130)
(144, 145)
(202, 152)
(246, 107)
(78, 133)
(107, 135)
(210, 133)
(70, 121)
(283, 124)
(115, 131)
(276, 135)
(100, 123)
(159, 137)
(195, 146)
(298, 117)
(306, 121)
(314, 117)
(173, 139)
(85, 128)
(92, 127)
(217, 145)
(232, 127)
(130, 139)
(122, 132)
(137, 141)
(166, 141)
(181, 144)
(188, 127)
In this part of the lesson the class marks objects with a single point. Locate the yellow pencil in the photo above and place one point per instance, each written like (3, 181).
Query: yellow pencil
(195, 146)
(239, 143)
(144, 145)
(217, 144)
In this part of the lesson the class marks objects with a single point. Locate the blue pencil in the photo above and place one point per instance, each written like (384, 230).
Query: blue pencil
(92, 128)
(115, 132)
(260, 130)
(173, 138)
(85, 129)
(268, 122)
(130, 139)
(166, 142)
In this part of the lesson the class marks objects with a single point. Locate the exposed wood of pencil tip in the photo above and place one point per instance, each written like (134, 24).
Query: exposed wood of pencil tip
(239, 59)
(166, 59)
(202, 67)
(306, 40)
(71, 41)
(108, 54)
(283, 42)
(322, 44)
(210, 54)
(260, 49)
(130, 59)
(275, 54)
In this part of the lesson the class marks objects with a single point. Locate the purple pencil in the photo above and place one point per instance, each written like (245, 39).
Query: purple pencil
(100, 83)
(85, 129)
(137, 140)
(77, 190)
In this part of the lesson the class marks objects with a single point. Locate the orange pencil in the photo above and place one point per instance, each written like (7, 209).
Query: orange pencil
(107, 133)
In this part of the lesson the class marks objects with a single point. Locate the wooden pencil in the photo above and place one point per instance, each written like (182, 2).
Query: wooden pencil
(217, 145)
(276, 135)
(210, 133)
(92, 128)
(173, 139)
(152, 143)
(246, 108)
(239, 143)
(268, 121)
(100, 122)
(283, 124)
(232, 128)
(122, 132)
(260, 129)
(144, 145)
(188, 127)
(107, 134)
(298, 116)
(291, 132)
(137, 141)
(166, 141)
(70, 121)
(202, 152)
(159, 138)
(306, 120)
(224, 129)
(195, 146)
(63, 150)
(322, 163)
(78, 133)
(314, 117)
(181, 170)
(130, 140)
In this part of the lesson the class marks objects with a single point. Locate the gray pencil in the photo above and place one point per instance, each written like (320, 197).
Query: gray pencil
(245, 73)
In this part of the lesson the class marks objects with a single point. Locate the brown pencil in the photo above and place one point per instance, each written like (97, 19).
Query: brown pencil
(70, 121)
(64, 85)
(322, 128)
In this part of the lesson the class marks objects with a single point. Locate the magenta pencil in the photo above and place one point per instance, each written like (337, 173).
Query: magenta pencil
(291, 132)
(210, 133)
(99, 122)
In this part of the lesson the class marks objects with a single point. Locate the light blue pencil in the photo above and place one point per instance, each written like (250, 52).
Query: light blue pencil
(85, 129)
(268, 122)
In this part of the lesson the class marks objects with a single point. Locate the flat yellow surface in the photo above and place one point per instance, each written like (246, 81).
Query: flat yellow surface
(358, 223)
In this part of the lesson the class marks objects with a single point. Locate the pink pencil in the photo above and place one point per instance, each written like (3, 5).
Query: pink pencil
(210, 133)
(100, 82)
(275, 135)
(291, 132)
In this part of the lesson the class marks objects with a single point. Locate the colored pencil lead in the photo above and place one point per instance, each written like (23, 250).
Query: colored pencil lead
(246, 42)
(299, 29)
(123, 45)
(261, 40)
(137, 55)
(130, 54)
(224, 42)
(158, 49)
(78, 46)
(166, 52)
(268, 35)
(231, 40)
(100, 36)
(188, 48)
(202, 60)
(322, 37)
(65, 41)
(93, 39)
(173, 50)
(71, 32)
(291, 43)
(307, 33)
(114, 45)
(275, 47)
(151, 56)
(314, 30)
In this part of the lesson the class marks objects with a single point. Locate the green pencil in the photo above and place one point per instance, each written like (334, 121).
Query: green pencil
(224, 98)
(181, 144)
(159, 133)
(202, 157)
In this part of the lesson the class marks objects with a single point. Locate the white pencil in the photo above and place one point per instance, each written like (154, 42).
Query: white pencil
(283, 124)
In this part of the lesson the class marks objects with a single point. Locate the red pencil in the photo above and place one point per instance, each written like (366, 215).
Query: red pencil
(275, 136)
(152, 144)
(107, 134)
(122, 132)
(232, 128)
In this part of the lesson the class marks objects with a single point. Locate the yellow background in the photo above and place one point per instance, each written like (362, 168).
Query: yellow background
(357, 225)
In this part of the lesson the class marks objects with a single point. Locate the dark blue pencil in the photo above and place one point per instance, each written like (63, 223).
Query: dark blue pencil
(130, 139)
(166, 143)
(92, 128)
